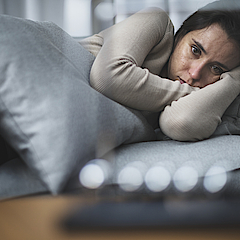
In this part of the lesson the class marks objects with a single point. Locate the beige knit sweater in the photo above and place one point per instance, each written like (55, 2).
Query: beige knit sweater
(129, 59)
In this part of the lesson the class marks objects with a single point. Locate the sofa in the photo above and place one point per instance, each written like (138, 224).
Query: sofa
(52, 123)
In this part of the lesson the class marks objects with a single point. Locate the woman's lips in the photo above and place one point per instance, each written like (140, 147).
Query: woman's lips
(180, 80)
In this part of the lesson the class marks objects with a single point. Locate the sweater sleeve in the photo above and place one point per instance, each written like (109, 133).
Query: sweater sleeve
(197, 115)
(133, 53)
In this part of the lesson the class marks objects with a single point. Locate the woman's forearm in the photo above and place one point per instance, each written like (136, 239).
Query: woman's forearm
(137, 88)
(197, 115)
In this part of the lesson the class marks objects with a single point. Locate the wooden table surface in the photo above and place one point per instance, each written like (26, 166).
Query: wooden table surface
(38, 218)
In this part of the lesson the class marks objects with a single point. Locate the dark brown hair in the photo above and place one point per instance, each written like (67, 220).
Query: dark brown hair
(227, 18)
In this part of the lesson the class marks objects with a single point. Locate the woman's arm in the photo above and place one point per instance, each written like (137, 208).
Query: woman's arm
(134, 52)
(197, 115)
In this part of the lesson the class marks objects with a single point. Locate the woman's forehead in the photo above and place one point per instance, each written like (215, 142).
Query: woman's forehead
(211, 35)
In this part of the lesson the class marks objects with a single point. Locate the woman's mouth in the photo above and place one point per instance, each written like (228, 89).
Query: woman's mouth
(181, 81)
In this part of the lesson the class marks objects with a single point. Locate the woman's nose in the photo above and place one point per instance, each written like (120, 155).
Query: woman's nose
(196, 70)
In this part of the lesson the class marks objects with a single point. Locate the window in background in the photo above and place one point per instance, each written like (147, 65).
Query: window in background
(125, 8)
(43, 10)
(13, 7)
(81, 18)
(77, 17)
(104, 15)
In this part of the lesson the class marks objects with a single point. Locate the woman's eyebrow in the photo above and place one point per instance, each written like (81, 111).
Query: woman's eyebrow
(200, 46)
(223, 66)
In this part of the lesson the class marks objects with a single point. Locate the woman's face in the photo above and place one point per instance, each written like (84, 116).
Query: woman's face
(202, 56)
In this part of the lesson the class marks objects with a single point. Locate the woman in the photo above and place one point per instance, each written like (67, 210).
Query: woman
(139, 65)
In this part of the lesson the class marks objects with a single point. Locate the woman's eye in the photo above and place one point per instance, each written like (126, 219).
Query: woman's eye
(196, 50)
(216, 70)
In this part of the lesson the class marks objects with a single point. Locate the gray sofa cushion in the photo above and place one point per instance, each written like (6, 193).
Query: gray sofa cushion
(223, 151)
(48, 112)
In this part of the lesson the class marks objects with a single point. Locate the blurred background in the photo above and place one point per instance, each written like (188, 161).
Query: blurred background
(81, 18)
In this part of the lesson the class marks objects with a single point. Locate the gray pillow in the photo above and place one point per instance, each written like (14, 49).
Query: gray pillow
(48, 112)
